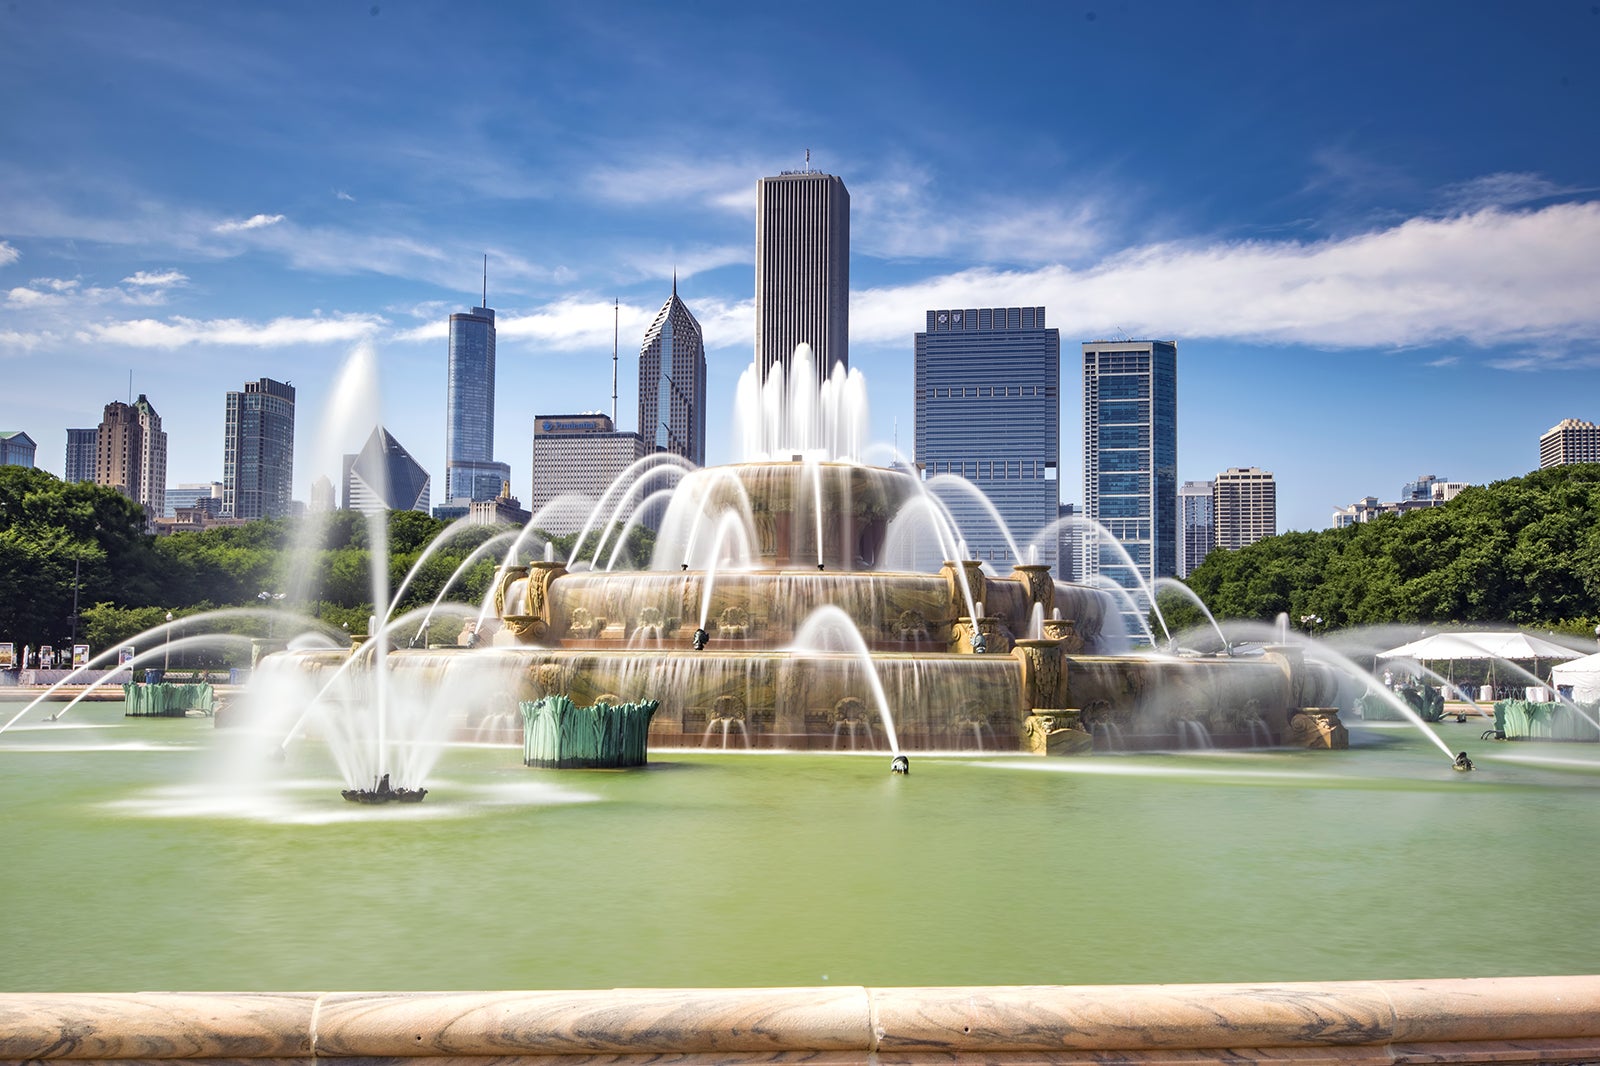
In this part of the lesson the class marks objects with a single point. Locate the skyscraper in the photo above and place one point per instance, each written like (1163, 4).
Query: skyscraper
(988, 410)
(258, 450)
(1197, 529)
(152, 490)
(119, 449)
(803, 269)
(470, 470)
(1245, 506)
(1130, 456)
(672, 383)
(1569, 441)
(81, 446)
(384, 477)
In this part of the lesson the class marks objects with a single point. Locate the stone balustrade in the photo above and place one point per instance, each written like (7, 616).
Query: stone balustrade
(1476, 1020)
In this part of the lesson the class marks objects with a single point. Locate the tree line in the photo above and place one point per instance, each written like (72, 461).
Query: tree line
(1524, 551)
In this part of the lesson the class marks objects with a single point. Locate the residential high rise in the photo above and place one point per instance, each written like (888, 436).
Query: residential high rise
(384, 477)
(1130, 457)
(258, 450)
(470, 470)
(803, 269)
(16, 448)
(672, 383)
(1245, 506)
(81, 445)
(988, 410)
(1196, 527)
(575, 458)
(1569, 441)
(119, 449)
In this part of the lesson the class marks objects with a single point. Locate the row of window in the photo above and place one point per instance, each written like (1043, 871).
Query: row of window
(989, 391)
(994, 469)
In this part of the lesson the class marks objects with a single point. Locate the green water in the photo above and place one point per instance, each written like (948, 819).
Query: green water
(123, 869)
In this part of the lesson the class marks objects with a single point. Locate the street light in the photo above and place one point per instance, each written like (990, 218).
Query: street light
(166, 660)
(267, 599)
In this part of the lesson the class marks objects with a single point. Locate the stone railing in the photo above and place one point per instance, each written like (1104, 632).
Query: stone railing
(1481, 1020)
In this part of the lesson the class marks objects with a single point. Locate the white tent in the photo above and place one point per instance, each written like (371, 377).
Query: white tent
(1510, 646)
(1582, 674)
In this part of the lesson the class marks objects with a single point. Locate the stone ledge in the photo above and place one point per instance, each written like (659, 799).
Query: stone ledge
(1475, 1020)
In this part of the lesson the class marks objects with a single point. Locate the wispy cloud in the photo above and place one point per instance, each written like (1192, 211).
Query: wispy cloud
(340, 194)
(1493, 277)
(165, 279)
(726, 185)
(178, 332)
(253, 222)
(8, 254)
(1505, 189)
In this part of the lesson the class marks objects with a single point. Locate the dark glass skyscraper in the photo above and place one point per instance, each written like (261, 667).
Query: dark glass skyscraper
(470, 470)
(1130, 457)
(258, 451)
(803, 269)
(81, 446)
(672, 383)
(988, 409)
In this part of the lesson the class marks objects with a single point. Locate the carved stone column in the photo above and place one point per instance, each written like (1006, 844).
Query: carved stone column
(1040, 586)
(952, 572)
(1066, 631)
(1042, 672)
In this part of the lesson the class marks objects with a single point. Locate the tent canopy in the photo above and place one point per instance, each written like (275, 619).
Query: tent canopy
(1582, 674)
(1512, 646)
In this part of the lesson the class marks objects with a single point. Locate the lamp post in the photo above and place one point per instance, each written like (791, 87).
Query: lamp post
(267, 599)
(1310, 622)
(166, 658)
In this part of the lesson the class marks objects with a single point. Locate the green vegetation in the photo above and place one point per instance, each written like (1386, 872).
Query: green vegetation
(1524, 551)
(57, 537)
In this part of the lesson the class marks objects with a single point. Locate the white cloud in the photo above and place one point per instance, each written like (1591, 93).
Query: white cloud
(22, 296)
(8, 254)
(728, 186)
(1505, 189)
(13, 341)
(253, 222)
(340, 194)
(178, 331)
(162, 280)
(1492, 277)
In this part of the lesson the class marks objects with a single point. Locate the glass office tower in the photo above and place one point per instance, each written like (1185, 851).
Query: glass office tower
(988, 386)
(470, 470)
(258, 451)
(1130, 458)
(672, 383)
(803, 269)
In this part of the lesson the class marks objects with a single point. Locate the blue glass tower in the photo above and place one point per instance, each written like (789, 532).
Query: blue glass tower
(1130, 457)
(258, 450)
(470, 470)
(988, 409)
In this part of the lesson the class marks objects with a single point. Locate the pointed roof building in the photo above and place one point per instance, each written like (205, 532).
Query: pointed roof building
(383, 476)
(672, 382)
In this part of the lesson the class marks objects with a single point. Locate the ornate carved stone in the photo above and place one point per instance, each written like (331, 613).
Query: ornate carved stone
(1042, 672)
(1056, 732)
(911, 625)
(733, 622)
(1317, 727)
(1066, 631)
(952, 572)
(1039, 585)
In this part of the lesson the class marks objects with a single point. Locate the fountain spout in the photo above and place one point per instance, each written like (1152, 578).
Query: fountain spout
(701, 637)
(900, 765)
(1462, 763)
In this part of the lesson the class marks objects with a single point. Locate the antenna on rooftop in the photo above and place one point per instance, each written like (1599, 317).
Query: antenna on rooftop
(808, 160)
(130, 385)
(485, 280)
(616, 318)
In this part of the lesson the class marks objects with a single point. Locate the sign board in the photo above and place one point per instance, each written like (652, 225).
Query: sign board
(125, 654)
(8, 655)
(80, 655)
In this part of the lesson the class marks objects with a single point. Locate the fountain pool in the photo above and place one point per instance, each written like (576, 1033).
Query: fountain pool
(128, 866)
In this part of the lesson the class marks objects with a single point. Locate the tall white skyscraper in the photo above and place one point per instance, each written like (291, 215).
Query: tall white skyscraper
(803, 269)
(1245, 506)
(1130, 458)
(1569, 441)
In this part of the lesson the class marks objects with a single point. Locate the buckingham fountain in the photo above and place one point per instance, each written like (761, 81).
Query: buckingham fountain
(802, 599)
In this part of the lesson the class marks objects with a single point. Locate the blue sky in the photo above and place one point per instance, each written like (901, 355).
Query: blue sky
(1372, 228)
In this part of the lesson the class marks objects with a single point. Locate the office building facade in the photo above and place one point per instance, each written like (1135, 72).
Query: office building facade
(152, 490)
(258, 450)
(1569, 441)
(81, 445)
(119, 449)
(672, 383)
(1244, 506)
(1196, 525)
(988, 383)
(17, 448)
(470, 469)
(384, 477)
(575, 459)
(803, 269)
(205, 495)
(1130, 458)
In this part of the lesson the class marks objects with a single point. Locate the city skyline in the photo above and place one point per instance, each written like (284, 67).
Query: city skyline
(1372, 231)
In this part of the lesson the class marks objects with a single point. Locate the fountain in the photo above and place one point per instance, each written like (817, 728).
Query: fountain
(748, 553)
